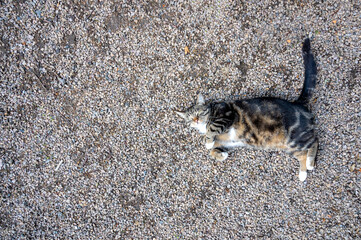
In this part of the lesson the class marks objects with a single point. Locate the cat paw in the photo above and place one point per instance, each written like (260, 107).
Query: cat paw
(209, 145)
(222, 156)
(302, 175)
(309, 167)
(309, 164)
(219, 156)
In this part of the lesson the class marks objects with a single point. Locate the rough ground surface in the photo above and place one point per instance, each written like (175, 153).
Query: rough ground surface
(90, 148)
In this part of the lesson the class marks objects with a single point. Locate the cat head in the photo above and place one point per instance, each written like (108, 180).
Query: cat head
(197, 115)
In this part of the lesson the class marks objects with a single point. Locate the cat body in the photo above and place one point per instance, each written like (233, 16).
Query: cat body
(262, 123)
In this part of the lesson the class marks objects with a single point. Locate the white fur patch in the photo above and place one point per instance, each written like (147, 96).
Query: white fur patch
(309, 163)
(232, 134)
(234, 144)
(302, 176)
(209, 145)
(201, 127)
(234, 141)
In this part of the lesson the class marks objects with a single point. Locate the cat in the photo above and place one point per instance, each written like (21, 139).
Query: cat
(263, 123)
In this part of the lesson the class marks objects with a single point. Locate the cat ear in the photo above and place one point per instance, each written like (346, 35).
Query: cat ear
(180, 113)
(200, 100)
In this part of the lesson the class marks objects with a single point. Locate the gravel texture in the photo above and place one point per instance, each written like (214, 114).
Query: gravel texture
(90, 148)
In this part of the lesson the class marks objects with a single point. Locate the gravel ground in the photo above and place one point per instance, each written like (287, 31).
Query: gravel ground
(90, 148)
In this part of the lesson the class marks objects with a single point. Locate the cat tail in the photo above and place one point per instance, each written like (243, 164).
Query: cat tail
(310, 73)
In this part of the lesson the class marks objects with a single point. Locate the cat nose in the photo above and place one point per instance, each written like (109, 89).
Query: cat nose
(195, 119)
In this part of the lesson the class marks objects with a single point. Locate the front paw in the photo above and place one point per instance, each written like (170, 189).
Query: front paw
(209, 145)
(302, 175)
(219, 155)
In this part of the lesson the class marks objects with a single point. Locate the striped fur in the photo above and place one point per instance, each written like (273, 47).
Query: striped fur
(263, 123)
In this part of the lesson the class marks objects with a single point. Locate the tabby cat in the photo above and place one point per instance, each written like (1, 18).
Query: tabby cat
(264, 123)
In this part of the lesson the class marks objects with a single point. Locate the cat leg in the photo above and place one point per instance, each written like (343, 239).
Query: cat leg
(218, 152)
(302, 158)
(311, 155)
(210, 140)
